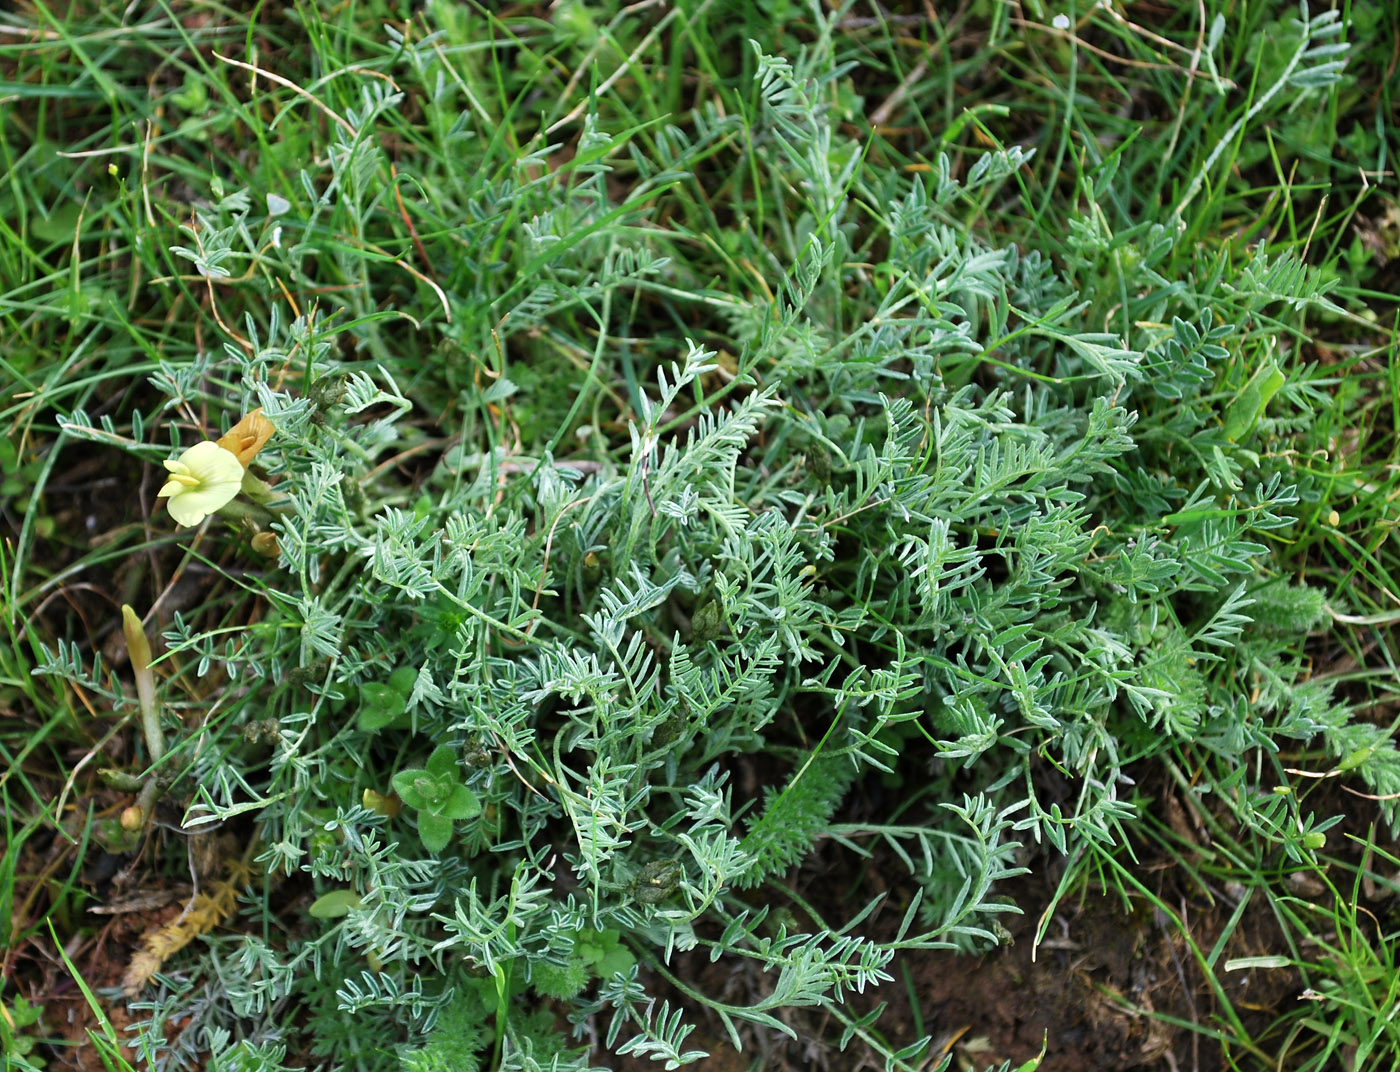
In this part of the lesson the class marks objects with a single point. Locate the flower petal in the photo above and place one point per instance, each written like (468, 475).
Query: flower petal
(186, 510)
(203, 479)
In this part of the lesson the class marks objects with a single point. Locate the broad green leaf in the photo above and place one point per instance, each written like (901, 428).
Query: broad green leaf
(463, 804)
(406, 786)
(335, 904)
(1249, 405)
(401, 682)
(443, 762)
(435, 830)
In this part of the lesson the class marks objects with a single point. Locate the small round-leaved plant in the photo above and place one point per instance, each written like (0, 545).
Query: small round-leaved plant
(438, 795)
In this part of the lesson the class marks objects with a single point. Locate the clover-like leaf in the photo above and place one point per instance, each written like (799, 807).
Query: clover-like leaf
(462, 804)
(375, 694)
(617, 959)
(401, 681)
(407, 783)
(380, 705)
(435, 830)
(442, 763)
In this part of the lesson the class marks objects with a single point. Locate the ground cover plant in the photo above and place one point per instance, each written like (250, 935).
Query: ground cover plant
(598, 535)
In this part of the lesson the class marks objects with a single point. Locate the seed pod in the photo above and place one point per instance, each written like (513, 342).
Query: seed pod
(707, 622)
(657, 881)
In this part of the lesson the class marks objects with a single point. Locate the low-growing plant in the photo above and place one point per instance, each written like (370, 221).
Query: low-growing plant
(437, 794)
(18, 1021)
(517, 726)
(1354, 987)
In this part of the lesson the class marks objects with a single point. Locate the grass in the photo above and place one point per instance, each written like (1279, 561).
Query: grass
(521, 216)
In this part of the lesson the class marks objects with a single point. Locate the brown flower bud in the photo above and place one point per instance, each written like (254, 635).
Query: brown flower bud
(248, 436)
(265, 543)
(383, 805)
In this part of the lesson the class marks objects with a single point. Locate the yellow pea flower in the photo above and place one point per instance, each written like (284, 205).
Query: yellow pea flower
(203, 479)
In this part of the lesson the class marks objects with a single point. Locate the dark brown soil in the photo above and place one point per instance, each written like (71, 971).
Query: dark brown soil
(1086, 992)
(1114, 983)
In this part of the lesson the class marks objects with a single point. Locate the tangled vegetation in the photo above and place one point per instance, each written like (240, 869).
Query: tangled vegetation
(664, 430)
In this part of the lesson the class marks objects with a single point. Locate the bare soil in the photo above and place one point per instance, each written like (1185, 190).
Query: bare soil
(1114, 983)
